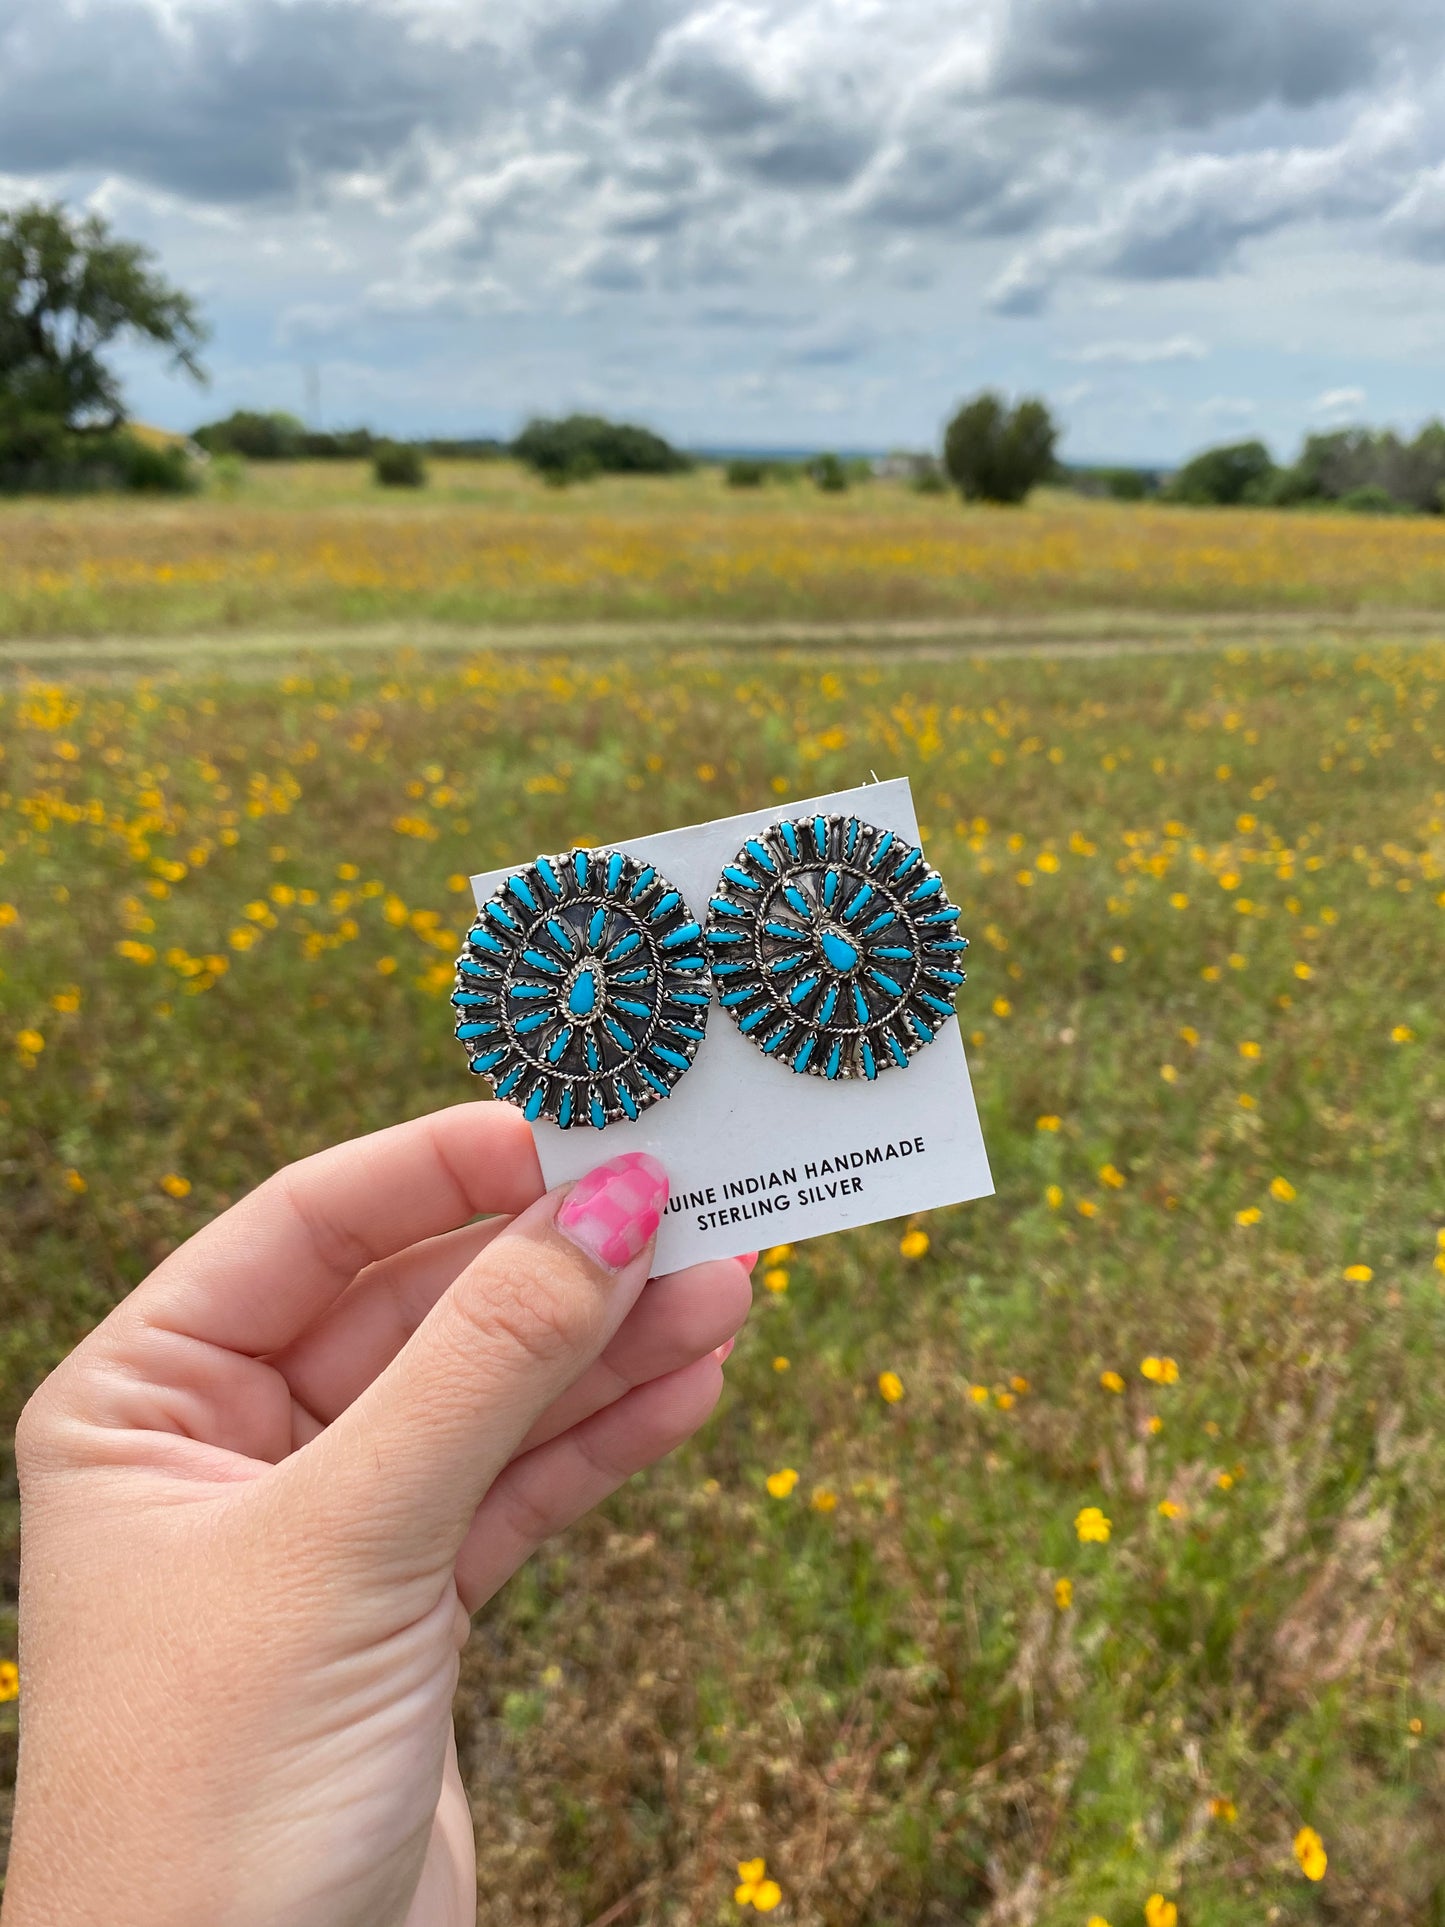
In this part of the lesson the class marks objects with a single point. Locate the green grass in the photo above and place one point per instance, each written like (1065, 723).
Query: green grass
(884, 1699)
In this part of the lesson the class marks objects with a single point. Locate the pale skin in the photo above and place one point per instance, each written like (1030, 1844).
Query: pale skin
(261, 1501)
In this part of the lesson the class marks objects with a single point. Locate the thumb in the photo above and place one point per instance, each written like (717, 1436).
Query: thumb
(400, 1473)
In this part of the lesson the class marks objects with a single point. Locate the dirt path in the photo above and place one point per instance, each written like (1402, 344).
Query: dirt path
(250, 655)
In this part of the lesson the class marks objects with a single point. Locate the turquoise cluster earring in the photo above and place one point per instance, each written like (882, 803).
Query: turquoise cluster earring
(583, 989)
(582, 992)
(834, 947)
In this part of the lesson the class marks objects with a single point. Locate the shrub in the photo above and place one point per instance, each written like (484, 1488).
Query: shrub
(1370, 499)
(829, 474)
(398, 465)
(589, 444)
(1242, 472)
(745, 473)
(997, 454)
(259, 437)
(226, 474)
(42, 456)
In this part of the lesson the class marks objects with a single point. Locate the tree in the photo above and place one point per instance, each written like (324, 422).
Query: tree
(271, 437)
(69, 290)
(997, 454)
(1242, 472)
(583, 445)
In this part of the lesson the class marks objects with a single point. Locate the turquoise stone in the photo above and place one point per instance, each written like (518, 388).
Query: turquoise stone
(839, 952)
(582, 998)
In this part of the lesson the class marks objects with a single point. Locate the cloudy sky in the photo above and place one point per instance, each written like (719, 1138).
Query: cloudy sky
(768, 222)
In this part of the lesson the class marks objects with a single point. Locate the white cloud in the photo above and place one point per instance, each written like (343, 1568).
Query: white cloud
(1337, 402)
(1139, 354)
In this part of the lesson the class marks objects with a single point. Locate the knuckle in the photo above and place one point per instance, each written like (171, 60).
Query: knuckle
(33, 1430)
(529, 1516)
(523, 1304)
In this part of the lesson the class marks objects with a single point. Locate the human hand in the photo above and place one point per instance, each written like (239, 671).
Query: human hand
(261, 1499)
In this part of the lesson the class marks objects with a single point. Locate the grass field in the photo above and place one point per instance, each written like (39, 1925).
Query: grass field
(316, 543)
(1207, 898)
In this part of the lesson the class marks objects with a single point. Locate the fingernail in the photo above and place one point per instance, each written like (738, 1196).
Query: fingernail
(614, 1211)
(747, 1259)
(725, 1351)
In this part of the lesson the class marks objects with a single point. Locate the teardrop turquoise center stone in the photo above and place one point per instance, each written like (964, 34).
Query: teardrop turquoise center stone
(839, 952)
(582, 998)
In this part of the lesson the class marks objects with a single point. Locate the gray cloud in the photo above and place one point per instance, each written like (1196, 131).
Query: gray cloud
(779, 192)
(1200, 60)
(227, 103)
(1187, 217)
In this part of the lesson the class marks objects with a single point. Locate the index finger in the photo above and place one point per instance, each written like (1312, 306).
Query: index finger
(262, 1271)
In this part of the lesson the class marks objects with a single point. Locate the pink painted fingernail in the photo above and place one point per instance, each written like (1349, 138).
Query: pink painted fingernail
(725, 1351)
(747, 1259)
(614, 1211)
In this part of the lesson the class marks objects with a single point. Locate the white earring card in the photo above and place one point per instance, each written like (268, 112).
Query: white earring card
(757, 1154)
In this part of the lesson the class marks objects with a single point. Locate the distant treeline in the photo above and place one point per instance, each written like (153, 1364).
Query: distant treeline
(565, 450)
(1371, 471)
(278, 437)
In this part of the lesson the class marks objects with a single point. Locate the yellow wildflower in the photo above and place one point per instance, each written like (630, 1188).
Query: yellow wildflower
(1179, 901)
(386, 966)
(1309, 1850)
(1222, 1809)
(1249, 1048)
(1303, 972)
(1358, 1274)
(1063, 1594)
(75, 1182)
(1111, 1381)
(780, 1484)
(1002, 1007)
(775, 1278)
(1170, 1509)
(979, 1394)
(9, 1680)
(1018, 1383)
(1054, 1197)
(1402, 1034)
(782, 1364)
(1092, 1527)
(1168, 1073)
(1111, 1175)
(1154, 1425)
(1086, 1208)
(1189, 1035)
(175, 1186)
(1005, 1401)
(1048, 1123)
(8, 914)
(1251, 1215)
(66, 1001)
(29, 1043)
(777, 1254)
(913, 1244)
(891, 1387)
(1160, 1371)
(1159, 1912)
(754, 1889)
(824, 1499)
(1282, 1189)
